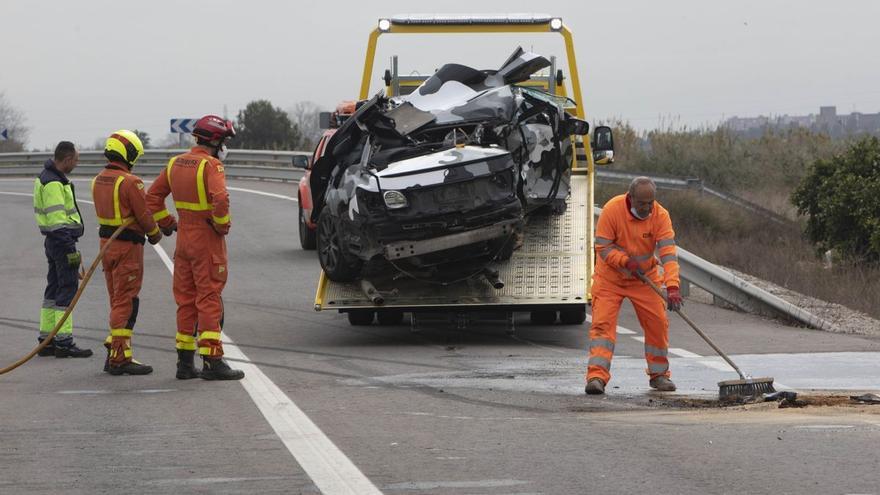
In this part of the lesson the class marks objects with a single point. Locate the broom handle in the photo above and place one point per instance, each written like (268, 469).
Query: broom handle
(73, 302)
(693, 325)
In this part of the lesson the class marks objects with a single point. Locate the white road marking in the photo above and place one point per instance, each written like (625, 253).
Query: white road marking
(640, 339)
(624, 331)
(327, 466)
(30, 195)
(677, 351)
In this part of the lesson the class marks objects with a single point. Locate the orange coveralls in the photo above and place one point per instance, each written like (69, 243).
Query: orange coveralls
(118, 196)
(197, 184)
(619, 235)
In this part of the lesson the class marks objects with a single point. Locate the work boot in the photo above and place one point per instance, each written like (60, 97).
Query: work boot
(217, 369)
(595, 386)
(72, 351)
(662, 384)
(185, 367)
(107, 362)
(49, 350)
(130, 368)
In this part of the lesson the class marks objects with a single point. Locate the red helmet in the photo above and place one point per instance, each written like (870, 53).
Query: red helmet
(213, 128)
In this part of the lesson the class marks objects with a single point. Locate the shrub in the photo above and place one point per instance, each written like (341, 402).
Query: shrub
(840, 198)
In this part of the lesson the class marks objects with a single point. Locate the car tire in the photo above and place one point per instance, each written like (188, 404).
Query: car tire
(339, 264)
(361, 317)
(308, 238)
(543, 317)
(389, 317)
(572, 316)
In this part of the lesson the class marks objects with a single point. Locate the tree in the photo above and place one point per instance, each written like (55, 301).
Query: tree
(144, 136)
(12, 121)
(305, 115)
(263, 126)
(840, 195)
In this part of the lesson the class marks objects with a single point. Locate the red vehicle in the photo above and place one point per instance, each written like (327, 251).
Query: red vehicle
(308, 228)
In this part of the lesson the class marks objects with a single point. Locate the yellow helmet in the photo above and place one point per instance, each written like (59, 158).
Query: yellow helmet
(124, 146)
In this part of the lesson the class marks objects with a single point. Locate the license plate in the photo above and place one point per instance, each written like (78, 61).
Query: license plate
(452, 194)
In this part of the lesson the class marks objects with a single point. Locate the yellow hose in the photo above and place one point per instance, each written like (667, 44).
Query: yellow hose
(72, 304)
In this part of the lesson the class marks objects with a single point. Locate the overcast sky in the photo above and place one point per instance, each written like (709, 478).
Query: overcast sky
(80, 70)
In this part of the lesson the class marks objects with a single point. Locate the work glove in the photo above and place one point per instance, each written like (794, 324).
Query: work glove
(673, 298)
(633, 266)
(155, 238)
(169, 229)
(220, 229)
(74, 259)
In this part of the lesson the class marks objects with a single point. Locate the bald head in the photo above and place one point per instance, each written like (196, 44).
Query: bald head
(641, 195)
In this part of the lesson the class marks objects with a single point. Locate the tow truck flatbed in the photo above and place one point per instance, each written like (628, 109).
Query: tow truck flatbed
(549, 271)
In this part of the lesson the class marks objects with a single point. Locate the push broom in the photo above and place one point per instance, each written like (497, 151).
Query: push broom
(729, 389)
(82, 287)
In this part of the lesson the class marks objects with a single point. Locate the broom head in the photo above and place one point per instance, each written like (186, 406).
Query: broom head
(750, 387)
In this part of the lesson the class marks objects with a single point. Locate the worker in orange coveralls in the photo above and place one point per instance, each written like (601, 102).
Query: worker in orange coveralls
(197, 184)
(631, 227)
(119, 196)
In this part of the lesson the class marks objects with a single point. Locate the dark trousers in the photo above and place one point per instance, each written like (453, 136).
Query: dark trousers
(62, 282)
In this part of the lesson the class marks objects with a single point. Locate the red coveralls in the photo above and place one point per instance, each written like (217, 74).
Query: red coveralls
(118, 196)
(619, 235)
(197, 184)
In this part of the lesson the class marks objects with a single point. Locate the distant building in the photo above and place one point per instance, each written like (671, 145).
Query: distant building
(827, 121)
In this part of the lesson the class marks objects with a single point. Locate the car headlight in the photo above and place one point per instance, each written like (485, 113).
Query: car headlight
(395, 200)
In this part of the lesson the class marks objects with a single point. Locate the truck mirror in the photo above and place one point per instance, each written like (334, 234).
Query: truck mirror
(603, 145)
(324, 120)
(577, 127)
(300, 161)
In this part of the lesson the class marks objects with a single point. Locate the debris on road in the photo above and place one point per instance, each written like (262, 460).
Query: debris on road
(866, 398)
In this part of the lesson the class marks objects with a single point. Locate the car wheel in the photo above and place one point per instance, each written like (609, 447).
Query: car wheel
(572, 316)
(308, 238)
(389, 317)
(543, 317)
(360, 317)
(337, 262)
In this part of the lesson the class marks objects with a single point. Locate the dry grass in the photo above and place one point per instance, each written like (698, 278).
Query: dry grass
(740, 240)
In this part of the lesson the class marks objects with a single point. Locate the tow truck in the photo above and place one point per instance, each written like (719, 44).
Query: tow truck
(549, 276)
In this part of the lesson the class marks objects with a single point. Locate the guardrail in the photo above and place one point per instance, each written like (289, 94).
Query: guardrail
(694, 184)
(278, 165)
(738, 292)
(239, 164)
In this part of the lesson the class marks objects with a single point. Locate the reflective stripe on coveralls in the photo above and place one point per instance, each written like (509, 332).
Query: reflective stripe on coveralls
(197, 185)
(117, 219)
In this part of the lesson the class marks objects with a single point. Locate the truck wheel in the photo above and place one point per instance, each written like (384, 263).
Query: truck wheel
(337, 262)
(543, 317)
(389, 317)
(572, 316)
(360, 317)
(307, 237)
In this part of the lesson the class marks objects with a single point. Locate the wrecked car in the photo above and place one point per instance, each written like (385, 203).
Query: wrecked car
(440, 180)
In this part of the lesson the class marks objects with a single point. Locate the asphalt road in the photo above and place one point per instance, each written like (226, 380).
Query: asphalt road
(341, 409)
